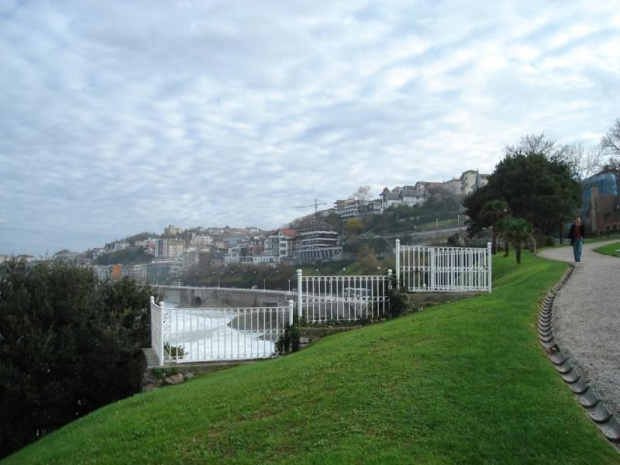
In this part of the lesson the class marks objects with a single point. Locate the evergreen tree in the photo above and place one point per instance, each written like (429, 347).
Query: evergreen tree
(535, 187)
(68, 345)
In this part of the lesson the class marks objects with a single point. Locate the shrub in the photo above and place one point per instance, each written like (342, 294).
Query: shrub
(289, 341)
(398, 299)
(68, 345)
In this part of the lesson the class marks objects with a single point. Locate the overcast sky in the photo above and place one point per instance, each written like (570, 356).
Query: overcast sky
(123, 117)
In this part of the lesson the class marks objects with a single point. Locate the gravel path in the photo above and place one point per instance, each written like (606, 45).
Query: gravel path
(586, 319)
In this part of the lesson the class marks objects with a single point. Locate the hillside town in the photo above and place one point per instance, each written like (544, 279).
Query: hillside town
(313, 239)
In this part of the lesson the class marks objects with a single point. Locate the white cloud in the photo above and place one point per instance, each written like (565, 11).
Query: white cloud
(123, 117)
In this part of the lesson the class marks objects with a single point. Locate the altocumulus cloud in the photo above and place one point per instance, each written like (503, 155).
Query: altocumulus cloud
(120, 117)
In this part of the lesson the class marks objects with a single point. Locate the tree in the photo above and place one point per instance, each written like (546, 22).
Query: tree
(581, 161)
(362, 193)
(68, 345)
(353, 227)
(538, 144)
(610, 144)
(537, 188)
(367, 259)
(492, 212)
(128, 256)
(517, 232)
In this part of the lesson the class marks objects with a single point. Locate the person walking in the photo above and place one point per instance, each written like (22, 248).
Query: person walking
(576, 235)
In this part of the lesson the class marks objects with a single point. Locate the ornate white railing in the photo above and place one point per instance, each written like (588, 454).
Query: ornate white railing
(157, 326)
(219, 334)
(341, 298)
(444, 269)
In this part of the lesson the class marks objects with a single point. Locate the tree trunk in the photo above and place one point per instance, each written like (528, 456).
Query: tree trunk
(560, 233)
(506, 248)
(494, 242)
(518, 253)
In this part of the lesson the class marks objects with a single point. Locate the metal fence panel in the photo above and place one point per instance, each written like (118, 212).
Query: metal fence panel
(323, 299)
(444, 269)
(219, 334)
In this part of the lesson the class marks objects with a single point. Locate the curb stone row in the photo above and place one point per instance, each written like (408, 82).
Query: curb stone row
(607, 423)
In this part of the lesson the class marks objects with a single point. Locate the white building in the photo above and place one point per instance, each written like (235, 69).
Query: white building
(317, 242)
(472, 180)
(280, 244)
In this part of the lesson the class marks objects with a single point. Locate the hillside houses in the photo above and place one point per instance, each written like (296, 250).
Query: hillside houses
(411, 196)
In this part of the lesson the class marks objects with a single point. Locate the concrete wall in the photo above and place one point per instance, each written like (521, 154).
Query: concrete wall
(201, 296)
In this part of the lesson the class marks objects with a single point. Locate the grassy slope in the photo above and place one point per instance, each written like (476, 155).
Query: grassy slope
(465, 382)
(609, 249)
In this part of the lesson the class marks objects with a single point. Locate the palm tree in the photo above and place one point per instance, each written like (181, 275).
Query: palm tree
(493, 212)
(518, 232)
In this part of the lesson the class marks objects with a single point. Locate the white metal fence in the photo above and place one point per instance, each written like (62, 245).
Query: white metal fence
(219, 334)
(444, 269)
(322, 299)
(157, 326)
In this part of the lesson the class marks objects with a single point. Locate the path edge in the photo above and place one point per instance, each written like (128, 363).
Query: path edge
(594, 407)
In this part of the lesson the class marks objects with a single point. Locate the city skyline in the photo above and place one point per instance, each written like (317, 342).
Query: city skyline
(120, 118)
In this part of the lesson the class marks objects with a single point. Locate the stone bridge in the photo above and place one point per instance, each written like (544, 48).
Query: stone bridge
(185, 296)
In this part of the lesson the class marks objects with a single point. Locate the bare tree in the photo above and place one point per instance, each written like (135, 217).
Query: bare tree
(583, 162)
(538, 144)
(610, 142)
(362, 193)
(610, 145)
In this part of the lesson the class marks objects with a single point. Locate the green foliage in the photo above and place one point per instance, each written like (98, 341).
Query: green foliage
(492, 212)
(176, 352)
(158, 373)
(353, 227)
(243, 276)
(517, 232)
(367, 260)
(140, 237)
(537, 188)
(68, 345)
(398, 299)
(289, 341)
(129, 256)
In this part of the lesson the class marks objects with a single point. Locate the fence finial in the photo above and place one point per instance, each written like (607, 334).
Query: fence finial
(397, 263)
(291, 319)
(490, 265)
(299, 293)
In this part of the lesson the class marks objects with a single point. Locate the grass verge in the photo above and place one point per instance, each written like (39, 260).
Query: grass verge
(465, 382)
(609, 249)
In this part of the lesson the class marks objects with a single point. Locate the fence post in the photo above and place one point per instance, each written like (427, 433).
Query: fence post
(397, 263)
(290, 312)
(299, 304)
(490, 266)
(161, 333)
(433, 269)
(151, 302)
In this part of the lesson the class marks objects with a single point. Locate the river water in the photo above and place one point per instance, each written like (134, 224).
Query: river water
(206, 334)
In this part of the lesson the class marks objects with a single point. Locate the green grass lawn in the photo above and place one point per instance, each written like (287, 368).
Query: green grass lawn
(461, 383)
(609, 249)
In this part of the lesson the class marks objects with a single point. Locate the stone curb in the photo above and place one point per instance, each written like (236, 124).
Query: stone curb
(607, 423)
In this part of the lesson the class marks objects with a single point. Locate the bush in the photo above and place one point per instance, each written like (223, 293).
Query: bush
(399, 302)
(176, 352)
(68, 345)
(289, 341)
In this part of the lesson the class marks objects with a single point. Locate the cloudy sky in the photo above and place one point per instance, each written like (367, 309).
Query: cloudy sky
(123, 117)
